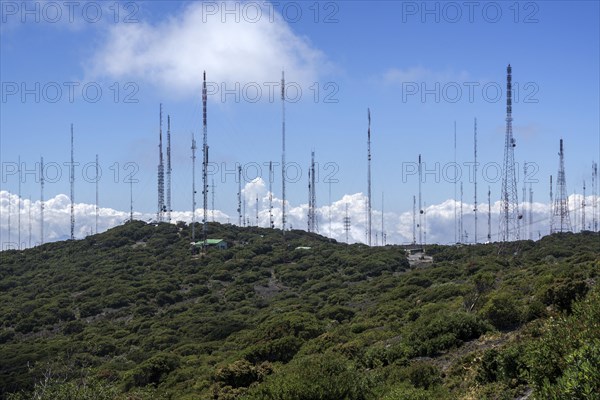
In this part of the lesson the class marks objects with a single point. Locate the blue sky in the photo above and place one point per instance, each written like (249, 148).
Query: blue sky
(358, 54)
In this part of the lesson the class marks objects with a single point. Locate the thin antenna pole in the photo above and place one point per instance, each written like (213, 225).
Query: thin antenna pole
(461, 227)
(414, 220)
(271, 222)
(169, 168)
(29, 220)
(551, 208)
(161, 173)
(19, 205)
(312, 196)
(193, 187)
(475, 178)
(97, 194)
(239, 209)
(489, 234)
(42, 200)
(382, 222)
(283, 151)
(257, 210)
(595, 196)
(204, 160)
(72, 179)
(524, 206)
(130, 200)
(420, 204)
(330, 206)
(583, 208)
(455, 210)
(369, 179)
(212, 187)
(246, 219)
(9, 225)
(530, 212)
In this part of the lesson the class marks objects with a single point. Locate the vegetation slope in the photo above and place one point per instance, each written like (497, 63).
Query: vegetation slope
(132, 314)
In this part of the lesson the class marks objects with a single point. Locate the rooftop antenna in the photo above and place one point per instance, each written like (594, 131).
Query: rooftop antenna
(97, 195)
(193, 187)
(414, 220)
(19, 205)
(369, 179)
(489, 234)
(42, 200)
(312, 196)
(204, 161)
(347, 223)
(72, 180)
(595, 196)
(169, 168)
(283, 151)
(420, 204)
(271, 222)
(161, 173)
(475, 177)
(551, 208)
(509, 220)
(455, 210)
(239, 209)
(561, 203)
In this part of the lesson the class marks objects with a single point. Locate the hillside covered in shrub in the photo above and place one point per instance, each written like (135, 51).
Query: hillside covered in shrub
(132, 314)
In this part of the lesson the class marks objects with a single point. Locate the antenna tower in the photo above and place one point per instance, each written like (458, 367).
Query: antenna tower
(561, 203)
(369, 179)
(509, 220)
(283, 152)
(383, 235)
(161, 173)
(475, 177)
(193, 187)
(257, 210)
(204, 161)
(312, 196)
(72, 180)
(524, 207)
(42, 200)
(271, 222)
(169, 168)
(347, 223)
(130, 200)
(583, 209)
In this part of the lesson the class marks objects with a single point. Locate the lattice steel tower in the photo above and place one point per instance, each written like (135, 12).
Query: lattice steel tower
(369, 178)
(509, 218)
(161, 173)
(561, 202)
(204, 161)
(312, 196)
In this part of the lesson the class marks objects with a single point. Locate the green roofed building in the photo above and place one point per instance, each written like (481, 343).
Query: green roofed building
(216, 243)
